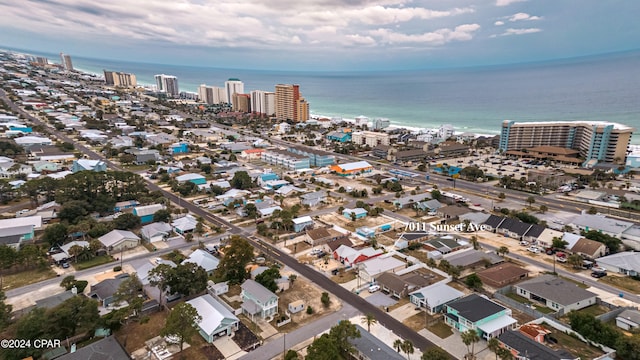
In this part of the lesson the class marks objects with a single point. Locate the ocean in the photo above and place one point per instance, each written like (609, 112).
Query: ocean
(602, 87)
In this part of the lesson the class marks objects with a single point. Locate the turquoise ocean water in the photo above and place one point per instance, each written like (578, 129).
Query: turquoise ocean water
(603, 87)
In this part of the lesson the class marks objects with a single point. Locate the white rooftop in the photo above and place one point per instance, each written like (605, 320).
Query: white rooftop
(617, 126)
(212, 312)
(202, 258)
(438, 294)
(302, 220)
(628, 260)
(497, 324)
(354, 165)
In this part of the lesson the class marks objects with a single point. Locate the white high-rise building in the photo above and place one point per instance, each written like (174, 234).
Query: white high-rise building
(65, 60)
(263, 102)
(233, 86)
(211, 94)
(167, 84)
(445, 131)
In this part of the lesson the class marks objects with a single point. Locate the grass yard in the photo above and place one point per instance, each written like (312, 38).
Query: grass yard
(575, 346)
(441, 329)
(622, 282)
(401, 302)
(417, 322)
(595, 310)
(98, 260)
(517, 298)
(134, 334)
(344, 277)
(26, 277)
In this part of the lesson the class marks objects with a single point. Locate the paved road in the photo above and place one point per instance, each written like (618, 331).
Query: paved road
(276, 346)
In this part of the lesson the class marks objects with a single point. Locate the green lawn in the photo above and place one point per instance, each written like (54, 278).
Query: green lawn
(26, 277)
(518, 298)
(595, 310)
(98, 260)
(441, 329)
(575, 346)
(536, 306)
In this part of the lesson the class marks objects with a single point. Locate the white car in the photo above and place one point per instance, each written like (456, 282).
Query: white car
(533, 249)
(374, 288)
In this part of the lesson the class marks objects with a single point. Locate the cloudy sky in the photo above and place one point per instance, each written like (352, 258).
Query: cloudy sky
(322, 34)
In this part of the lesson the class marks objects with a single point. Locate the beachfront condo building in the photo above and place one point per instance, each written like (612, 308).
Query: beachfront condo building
(263, 102)
(211, 94)
(167, 84)
(233, 86)
(290, 105)
(241, 102)
(370, 138)
(120, 79)
(65, 60)
(595, 141)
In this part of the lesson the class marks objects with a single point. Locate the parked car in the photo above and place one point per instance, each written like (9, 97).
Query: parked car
(374, 288)
(533, 249)
(598, 274)
(524, 243)
(65, 265)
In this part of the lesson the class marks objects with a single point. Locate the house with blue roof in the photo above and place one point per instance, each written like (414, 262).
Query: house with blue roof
(88, 165)
(270, 176)
(194, 178)
(339, 136)
(179, 148)
(358, 212)
(145, 213)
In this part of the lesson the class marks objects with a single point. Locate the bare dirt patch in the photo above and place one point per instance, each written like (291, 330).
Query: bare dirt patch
(134, 334)
(306, 291)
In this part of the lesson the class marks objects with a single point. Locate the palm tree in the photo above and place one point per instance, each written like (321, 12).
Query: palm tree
(470, 338)
(369, 319)
(407, 348)
(503, 250)
(397, 345)
(494, 345)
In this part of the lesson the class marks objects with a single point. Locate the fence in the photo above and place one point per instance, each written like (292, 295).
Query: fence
(524, 308)
(613, 313)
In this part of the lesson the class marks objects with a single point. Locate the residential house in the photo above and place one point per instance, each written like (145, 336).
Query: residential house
(119, 240)
(203, 259)
(477, 312)
(513, 228)
(471, 258)
(410, 201)
(179, 148)
(444, 244)
(627, 263)
(320, 236)
(396, 285)
(125, 205)
(66, 253)
(258, 300)
(534, 232)
(545, 239)
(251, 154)
(357, 213)
(434, 297)
(105, 290)
(233, 195)
(145, 156)
(535, 332)
(216, 319)
(556, 293)
(601, 223)
(194, 178)
(9, 168)
(143, 271)
(350, 256)
(339, 136)
(331, 246)
(370, 270)
(184, 224)
(145, 213)
(475, 218)
(370, 347)
(502, 275)
(289, 190)
(589, 248)
(107, 348)
(301, 223)
(522, 346)
(14, 232)
(88, 165)
(217, 288)
(493, 222)
(45, 167)
(154, 232)
(628, 320)
(313, 198)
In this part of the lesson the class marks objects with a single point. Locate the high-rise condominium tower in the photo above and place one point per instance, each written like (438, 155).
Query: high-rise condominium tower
(65, 60)
(167, 84)
(233, 86)
(290, 105)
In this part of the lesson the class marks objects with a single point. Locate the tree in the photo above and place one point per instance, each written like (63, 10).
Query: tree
(407, 348)
(397, 345)
(163, 215)
(504, 354)
(558, 243)
(503, 250)
(575, 260)
(628, 347)
(501, 196)
(187, 279)
(324, 299)
(130, 291)
(612, 243)
(494, 345)
(268, 278)
(159, 277)
(68, 282)
(76, 315)
(5, 311)
(236, 257)
(323, 348)
(473, 281)
(55, 234)
(369, 319)
(182, 323)
(251, 210)
(592, 211)
(436, 194)
(291, 355)
(435, 353)
(470, 338)
(241, 180)
(543, 208)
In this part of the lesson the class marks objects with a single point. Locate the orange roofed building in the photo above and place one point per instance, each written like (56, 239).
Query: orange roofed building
(252, 154)
(351, 168)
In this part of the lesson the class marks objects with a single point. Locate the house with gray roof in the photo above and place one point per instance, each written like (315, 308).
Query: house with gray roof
(628, 319)
(157, 231)
(313, 198)
(494, 222)
(258, 300)
(470, 258)
(216, 319)
(409, 201)
(631, 237)
(627, 263)
(105, 290)
(513, 228)
(434, 297)
(203, 259)
(370, 347)
(106, 349)
(475, 217)
(117, 240)
(525, 347)
(601, 223)
(555, 293)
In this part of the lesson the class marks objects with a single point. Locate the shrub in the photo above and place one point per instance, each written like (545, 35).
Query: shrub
(309, 310)
(117, 268)
(81, 285)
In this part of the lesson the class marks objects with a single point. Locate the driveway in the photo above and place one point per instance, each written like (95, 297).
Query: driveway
(380, 299)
